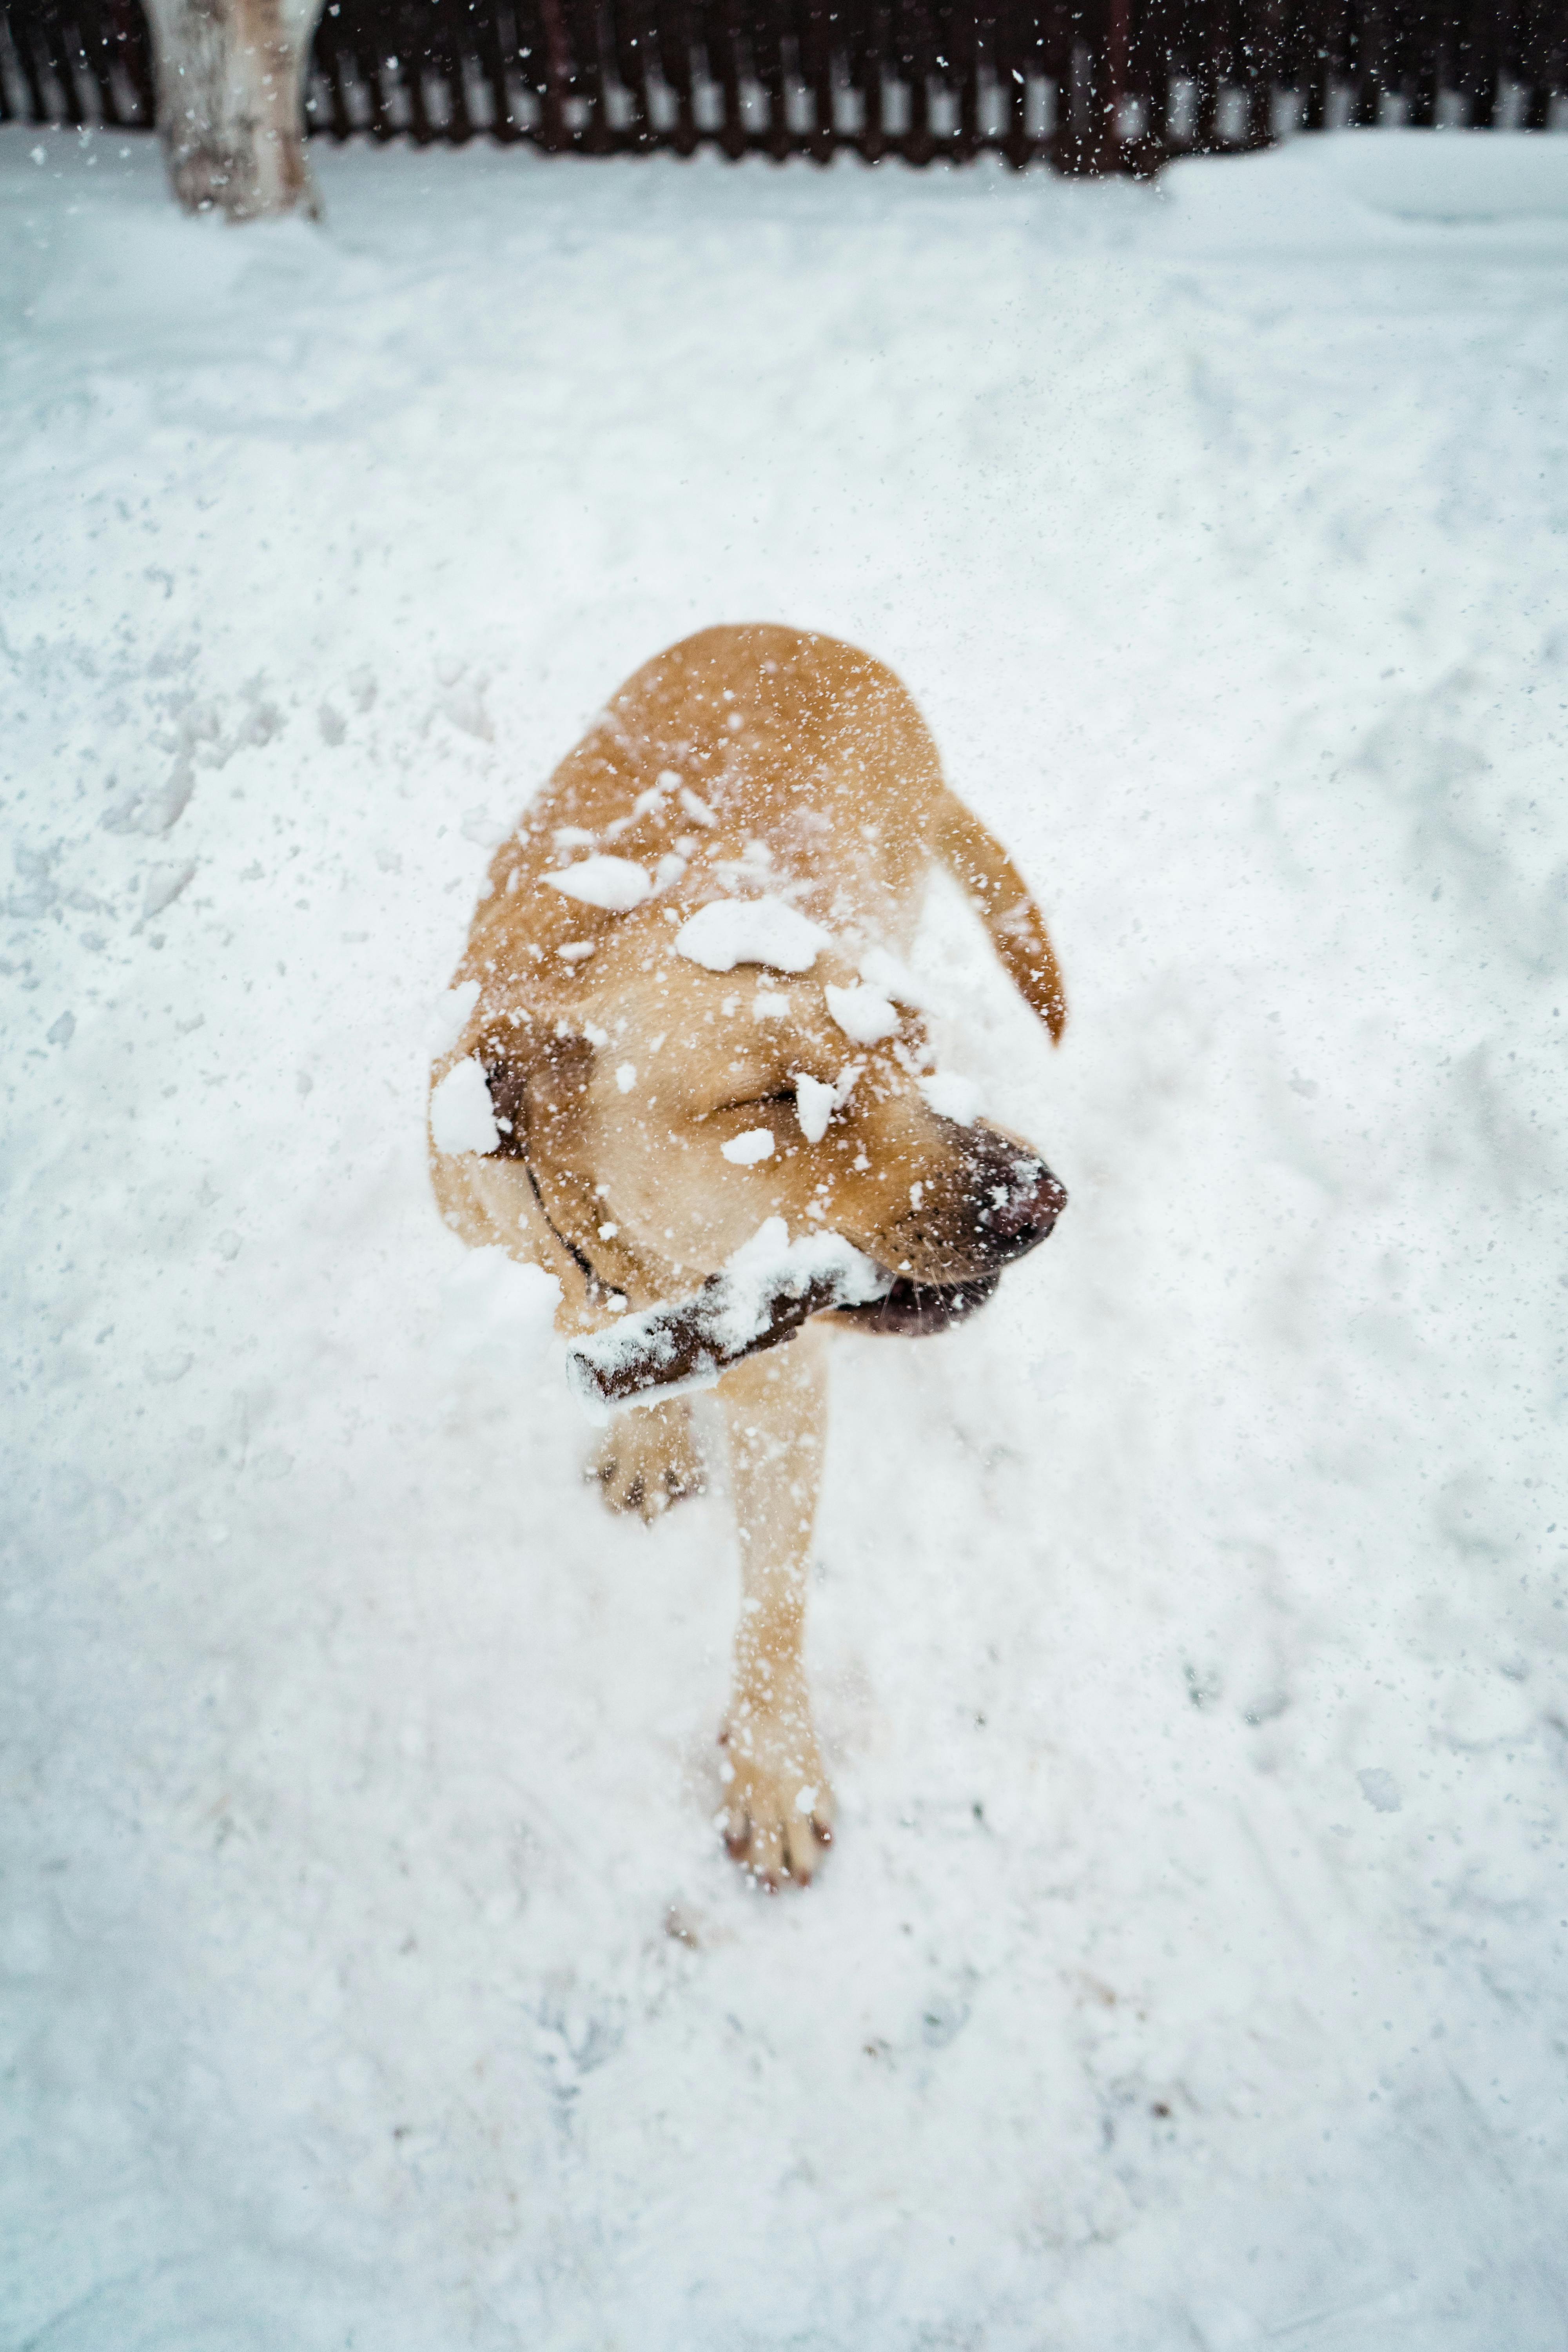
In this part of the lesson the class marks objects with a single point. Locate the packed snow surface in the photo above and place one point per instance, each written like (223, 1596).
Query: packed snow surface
(451, 1017)
(1188, 1628)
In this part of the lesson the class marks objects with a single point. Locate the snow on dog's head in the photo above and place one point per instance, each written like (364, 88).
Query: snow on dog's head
(707, 1068)
(762, 931)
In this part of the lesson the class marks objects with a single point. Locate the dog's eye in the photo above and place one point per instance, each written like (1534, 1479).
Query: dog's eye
(755, 1102)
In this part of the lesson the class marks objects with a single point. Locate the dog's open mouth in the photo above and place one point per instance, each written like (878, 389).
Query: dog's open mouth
(912, 1309)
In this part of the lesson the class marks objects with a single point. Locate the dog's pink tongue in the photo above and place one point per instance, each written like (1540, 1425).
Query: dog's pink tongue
(762, 1296)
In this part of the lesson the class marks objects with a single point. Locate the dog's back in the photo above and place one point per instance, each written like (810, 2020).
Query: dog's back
(772, 749)
(774, 732)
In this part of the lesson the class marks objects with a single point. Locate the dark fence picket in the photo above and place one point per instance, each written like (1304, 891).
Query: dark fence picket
(1544, 59)
(76, 62)
(1088, 85)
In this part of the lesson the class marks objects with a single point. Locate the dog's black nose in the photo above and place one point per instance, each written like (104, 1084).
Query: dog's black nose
(1016, 1198)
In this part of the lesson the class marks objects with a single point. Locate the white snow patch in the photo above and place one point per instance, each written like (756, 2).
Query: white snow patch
(1381, 1790)
(499, 1318)
(863, 1013)
(483, 828)
(814, 1104)
(165, 884)
(615, 884)
(771, 1263)
(890, 975)
(952, 1096)
(745, 1151)
(450, 1017)
(462, 1116)
(753, 870)
(732, 932)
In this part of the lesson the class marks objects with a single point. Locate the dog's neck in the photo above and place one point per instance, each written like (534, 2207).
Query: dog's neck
(589, 1277)
(591, 1272)
(594, 1267)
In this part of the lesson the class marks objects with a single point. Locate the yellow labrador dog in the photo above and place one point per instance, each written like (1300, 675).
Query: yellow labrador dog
(685, 1018)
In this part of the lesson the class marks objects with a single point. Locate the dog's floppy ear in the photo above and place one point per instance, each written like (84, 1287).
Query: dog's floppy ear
(536, 1072)
(997, 891)
(506, 1083)
(505, 1171)
(537, 1069)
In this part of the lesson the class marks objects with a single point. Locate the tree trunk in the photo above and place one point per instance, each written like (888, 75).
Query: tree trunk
(231, 103)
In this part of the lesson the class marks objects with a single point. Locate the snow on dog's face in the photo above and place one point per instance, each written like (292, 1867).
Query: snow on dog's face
(695, 1089)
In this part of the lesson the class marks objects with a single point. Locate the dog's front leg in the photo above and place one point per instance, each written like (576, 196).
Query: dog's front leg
(778, 1807)
(649, 1459)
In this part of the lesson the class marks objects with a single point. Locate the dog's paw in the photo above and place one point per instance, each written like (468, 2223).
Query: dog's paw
(777, 1817)
(648, 1460)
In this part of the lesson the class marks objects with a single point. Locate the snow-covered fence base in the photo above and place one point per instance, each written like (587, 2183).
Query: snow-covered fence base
(1106, 85)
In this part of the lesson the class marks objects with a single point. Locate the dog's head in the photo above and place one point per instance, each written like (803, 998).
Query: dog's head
(687, 1085)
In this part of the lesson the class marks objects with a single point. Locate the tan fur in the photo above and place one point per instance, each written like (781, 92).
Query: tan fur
(775, 759)
(649, 1459)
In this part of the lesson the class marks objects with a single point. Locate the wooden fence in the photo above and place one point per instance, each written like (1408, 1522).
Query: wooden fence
(1104, 85)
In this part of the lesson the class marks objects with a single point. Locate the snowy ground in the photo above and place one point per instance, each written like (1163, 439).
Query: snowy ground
(1190, 1631)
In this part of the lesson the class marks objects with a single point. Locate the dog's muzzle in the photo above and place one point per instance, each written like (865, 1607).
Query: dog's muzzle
(1016, 1202)
(1011, 1203)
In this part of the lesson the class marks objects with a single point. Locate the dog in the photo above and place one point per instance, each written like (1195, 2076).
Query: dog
(684, 1013)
